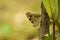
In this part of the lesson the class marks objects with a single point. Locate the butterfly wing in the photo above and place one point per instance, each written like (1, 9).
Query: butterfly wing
(33, 18)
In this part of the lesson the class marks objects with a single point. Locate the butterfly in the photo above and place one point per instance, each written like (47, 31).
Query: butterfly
(33, 18)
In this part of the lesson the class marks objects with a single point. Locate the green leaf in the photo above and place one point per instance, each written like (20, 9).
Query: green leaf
(49, 38)
(51, 8)
(46, 38)
(58, 18)
(58, 36)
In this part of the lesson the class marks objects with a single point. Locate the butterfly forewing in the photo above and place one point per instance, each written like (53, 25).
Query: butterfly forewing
(33, 18)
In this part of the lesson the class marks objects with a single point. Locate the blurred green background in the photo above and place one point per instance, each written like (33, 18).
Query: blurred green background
(14, 24)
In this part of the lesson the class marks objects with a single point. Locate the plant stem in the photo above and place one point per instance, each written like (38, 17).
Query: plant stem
(54, 30)
(53, 21)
